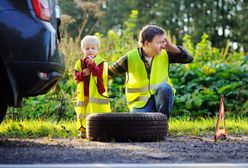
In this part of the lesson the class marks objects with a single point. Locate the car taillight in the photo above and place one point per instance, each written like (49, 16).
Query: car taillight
(42, 9)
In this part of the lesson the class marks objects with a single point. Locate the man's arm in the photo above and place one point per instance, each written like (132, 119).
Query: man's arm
(176, 54)
(183, 57)
(118, 68)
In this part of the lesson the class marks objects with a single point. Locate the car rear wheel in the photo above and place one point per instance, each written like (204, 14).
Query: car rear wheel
(126, 127)
(4, 90)
(3, 109)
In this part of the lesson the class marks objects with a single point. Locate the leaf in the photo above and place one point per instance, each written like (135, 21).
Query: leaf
(198, 101)
(230, 86)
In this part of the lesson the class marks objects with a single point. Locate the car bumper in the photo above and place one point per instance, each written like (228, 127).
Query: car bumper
(34, 78)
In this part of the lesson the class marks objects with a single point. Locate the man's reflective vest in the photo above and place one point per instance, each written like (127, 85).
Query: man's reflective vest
(97, 103)
(139, 87)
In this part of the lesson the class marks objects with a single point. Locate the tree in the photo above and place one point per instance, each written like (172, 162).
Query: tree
(85, 14)
(220, 19)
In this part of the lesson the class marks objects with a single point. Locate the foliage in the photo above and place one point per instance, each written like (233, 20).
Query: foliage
(220, 19)
(199, 89)
(214, 72)
(80, 17)
(117, 44)
(200, 84)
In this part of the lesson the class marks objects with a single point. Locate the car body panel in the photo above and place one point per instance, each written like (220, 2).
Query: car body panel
(29, 46)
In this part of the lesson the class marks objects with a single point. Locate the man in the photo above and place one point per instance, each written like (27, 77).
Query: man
(148, 87)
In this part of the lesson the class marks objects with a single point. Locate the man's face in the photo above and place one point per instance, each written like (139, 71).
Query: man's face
(156, 45)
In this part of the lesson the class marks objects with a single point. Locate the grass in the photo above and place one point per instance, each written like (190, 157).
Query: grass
(37, 128)
(203, 127)
(65, 129)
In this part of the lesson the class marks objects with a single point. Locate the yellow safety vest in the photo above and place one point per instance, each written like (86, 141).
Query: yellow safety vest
(97, 103)
(139, 87)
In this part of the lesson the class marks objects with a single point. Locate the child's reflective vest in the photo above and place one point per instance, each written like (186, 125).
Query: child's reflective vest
(139, 87)
(97, 103)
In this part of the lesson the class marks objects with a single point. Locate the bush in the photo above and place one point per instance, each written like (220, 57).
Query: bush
(214, 72)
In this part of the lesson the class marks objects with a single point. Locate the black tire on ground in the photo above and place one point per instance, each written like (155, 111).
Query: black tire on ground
(4, 90)
(123, 127)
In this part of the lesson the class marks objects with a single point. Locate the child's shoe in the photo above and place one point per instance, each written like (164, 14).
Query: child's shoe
(82, 133)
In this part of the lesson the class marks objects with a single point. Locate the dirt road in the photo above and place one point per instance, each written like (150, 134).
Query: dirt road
(171, 150)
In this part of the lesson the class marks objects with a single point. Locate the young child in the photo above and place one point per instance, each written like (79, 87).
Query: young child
(90, 74)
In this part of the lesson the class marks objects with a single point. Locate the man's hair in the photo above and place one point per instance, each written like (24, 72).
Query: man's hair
(90, 40)
(148, 32)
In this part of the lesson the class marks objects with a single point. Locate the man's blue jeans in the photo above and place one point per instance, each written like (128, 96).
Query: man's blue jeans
(161, 101)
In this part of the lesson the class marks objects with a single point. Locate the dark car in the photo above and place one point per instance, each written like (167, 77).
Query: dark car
(30, 62)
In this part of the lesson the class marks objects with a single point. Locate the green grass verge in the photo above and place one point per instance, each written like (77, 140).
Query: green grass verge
(203, 127)
(66, 129)
(37, 128)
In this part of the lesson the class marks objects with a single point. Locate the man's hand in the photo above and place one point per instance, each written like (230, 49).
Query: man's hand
(168, 46)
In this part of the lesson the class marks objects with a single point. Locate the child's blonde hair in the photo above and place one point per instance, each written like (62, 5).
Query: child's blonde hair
(90, 40)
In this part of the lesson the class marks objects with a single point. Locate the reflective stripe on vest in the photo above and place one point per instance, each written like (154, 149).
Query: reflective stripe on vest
(140, 98)
(98, 101)
(92, 100)
(145, 88)
(80, 103)
(80, 116)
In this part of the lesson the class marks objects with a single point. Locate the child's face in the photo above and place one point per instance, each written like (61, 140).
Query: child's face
(90, 50)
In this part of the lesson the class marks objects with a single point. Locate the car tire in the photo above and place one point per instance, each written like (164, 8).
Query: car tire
(4, 89)
(3, 109)
(123, 127)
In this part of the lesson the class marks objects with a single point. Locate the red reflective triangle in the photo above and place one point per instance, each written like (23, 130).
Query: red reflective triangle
(220, 133)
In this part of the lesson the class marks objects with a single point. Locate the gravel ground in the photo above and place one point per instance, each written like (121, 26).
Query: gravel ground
(171, 150)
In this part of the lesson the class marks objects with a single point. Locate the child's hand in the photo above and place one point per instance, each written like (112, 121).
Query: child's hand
(89, 61)
(86, 72)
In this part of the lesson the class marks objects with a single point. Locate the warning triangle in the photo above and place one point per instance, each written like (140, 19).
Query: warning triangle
(220, 133)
